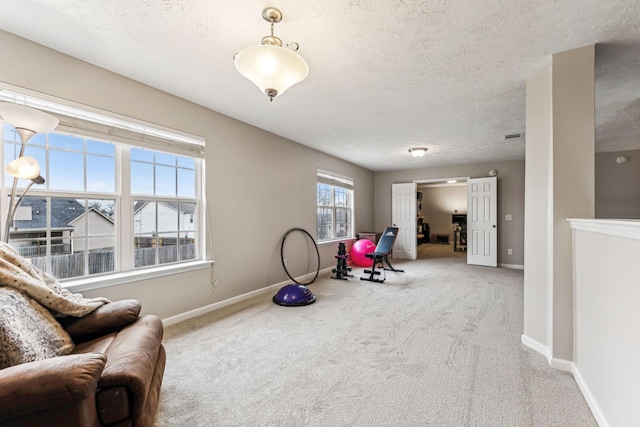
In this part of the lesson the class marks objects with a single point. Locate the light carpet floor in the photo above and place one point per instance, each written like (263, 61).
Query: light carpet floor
(438, 345)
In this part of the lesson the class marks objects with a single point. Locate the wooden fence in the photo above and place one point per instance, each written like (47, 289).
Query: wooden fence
(73, 265)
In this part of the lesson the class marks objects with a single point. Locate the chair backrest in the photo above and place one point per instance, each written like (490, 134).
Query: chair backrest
(388, 238)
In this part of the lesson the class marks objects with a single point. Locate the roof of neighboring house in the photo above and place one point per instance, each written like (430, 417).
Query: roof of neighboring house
(97, 211)
(63, 212)
(186, 208)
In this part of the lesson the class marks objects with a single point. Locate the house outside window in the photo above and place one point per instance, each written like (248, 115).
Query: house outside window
(106, 206)
(334, 206)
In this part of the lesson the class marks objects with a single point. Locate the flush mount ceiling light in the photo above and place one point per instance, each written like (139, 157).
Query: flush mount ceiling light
(270, 66)
(418, 151)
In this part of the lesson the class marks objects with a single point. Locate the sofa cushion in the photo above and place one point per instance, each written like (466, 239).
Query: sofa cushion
(28, 331)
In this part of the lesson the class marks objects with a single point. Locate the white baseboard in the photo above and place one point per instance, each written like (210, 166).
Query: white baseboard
(227, 302)
(593, 405)
(536, 346)
(512, 266)
(561, 364)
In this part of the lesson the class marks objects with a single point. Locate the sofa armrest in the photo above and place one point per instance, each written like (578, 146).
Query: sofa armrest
(47, 384)
(105, 319)
(132, 360)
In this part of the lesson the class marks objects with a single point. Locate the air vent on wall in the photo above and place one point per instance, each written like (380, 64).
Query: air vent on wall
(512, 136)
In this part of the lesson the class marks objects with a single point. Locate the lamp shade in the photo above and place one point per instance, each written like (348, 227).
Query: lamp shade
(20, 116)
(271, 68)
(24, 168)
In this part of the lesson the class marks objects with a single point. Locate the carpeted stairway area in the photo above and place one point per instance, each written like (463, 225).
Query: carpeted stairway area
(438, 345)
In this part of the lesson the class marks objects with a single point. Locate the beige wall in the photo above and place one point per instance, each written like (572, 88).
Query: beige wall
(560, 152)
(510, 199)
(258, 185)
(537, 230)
(618, 185)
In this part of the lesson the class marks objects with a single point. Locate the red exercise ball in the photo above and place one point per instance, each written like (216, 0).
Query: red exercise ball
(358, 251)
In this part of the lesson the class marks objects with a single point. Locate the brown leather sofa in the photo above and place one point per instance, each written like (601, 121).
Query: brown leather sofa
(112, 378)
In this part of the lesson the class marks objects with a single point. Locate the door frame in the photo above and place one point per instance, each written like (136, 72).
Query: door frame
(444, 181)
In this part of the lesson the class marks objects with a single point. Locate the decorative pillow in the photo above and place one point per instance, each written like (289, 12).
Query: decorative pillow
(28, 331)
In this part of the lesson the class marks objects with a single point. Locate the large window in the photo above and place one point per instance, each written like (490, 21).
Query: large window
(107, 204)
(335, 206)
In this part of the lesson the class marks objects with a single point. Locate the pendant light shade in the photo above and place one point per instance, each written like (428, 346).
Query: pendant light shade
(274, 69)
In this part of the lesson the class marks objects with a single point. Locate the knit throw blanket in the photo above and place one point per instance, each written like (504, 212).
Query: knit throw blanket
(18, 273)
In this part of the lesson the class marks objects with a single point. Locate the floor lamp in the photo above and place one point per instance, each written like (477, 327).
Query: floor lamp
(28, 122)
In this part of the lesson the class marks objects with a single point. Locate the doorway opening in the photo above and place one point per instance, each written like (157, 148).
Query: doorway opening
(441, 218)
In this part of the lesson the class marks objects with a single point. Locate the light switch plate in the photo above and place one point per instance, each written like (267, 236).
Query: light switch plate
(508, 217)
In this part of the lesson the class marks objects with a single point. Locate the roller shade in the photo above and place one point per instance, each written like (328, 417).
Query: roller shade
(103, 126)
(330, 178)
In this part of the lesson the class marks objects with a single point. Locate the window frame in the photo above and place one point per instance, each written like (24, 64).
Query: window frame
(342, 182)
(124, 201)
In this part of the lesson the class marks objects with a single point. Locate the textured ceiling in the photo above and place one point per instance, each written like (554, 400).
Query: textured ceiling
(385, 75)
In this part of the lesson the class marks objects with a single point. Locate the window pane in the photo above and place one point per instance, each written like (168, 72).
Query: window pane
(341, 196)
(343, 222)
(144, 218)
(141, 155)
(325, 223)
(102, 255)
(67, 265)
(186, 183)
(9, 134)
(165, 181)
(141, 178)
(167, 217)
(165, 159)
(98, 147)
(100, 218)
(101, 175)
(145, 238)
(66, 142)
(187, 219)
(324, 195)
(186, 162)
(66, 171)
(167, 248)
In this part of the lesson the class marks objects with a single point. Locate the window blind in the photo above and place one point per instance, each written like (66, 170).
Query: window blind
(110, 127)
(326, 177)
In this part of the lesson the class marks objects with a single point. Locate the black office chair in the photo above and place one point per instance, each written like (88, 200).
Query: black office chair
(380, 256)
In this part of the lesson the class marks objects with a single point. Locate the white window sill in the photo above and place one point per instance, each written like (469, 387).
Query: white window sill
(97, 282)
(334, 241)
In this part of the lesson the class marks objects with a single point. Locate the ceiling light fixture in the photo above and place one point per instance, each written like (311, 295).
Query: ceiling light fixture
(622, 159)
(418, 151)
(271, 67)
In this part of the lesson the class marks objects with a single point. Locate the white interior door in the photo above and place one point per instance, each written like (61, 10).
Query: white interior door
(482, 221)
(403, 216)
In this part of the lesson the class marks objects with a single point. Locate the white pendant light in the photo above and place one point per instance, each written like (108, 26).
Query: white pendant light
(270, 66)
